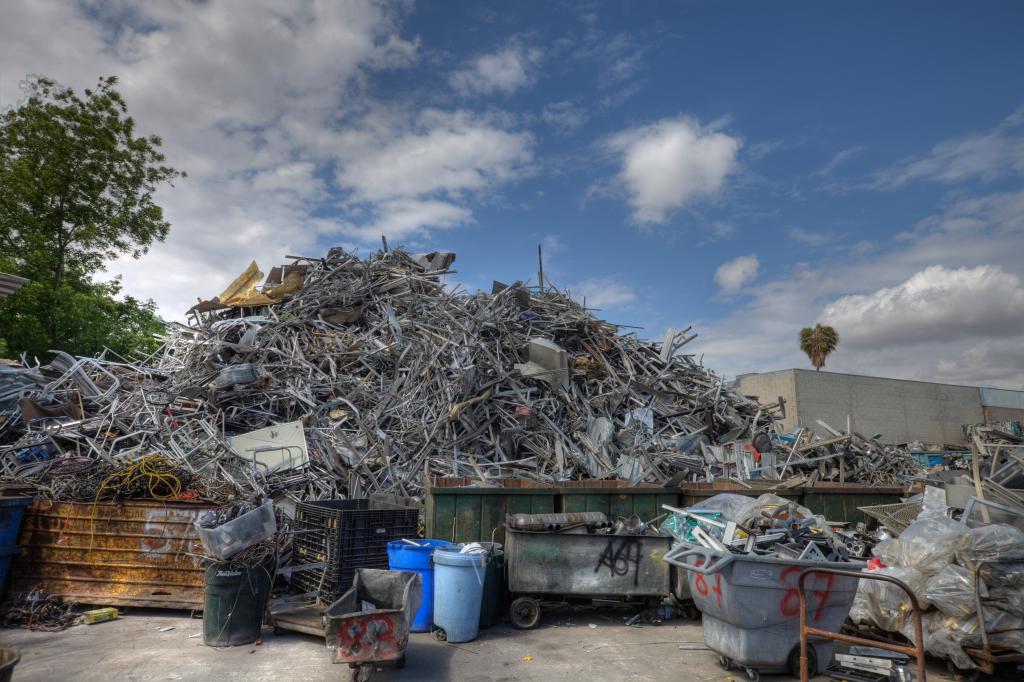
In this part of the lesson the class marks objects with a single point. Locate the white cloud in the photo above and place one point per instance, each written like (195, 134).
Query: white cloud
(984, 156)
(671, 163)
(840, 158)
(935, 303)
(735, 274)
(510, 68)
(567, 116)
(440, 152)
(808, 237)
(603, 292)
(400, 218)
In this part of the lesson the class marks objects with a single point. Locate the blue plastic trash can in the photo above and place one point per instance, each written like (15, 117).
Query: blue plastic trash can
(12, 509)
(458, 589)
(403, 556)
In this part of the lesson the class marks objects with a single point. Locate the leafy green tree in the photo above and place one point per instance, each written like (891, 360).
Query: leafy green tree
(818, 342)
(76, 190)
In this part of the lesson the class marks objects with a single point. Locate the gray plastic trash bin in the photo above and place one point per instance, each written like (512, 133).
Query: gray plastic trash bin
(751, 608)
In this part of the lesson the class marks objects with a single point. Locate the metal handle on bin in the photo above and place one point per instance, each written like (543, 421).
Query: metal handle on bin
(714, 561)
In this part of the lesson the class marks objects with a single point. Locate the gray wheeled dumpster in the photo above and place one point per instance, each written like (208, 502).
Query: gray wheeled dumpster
(569, 566)
(751, 608)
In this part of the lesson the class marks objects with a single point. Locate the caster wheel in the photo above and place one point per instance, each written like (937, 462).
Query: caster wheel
(440, 635)
(362, 673)
(752, 674)
(525, 613)
(690, 612)
(725, 663)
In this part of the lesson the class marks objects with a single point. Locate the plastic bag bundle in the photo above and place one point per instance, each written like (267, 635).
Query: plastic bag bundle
(934, 503)
(730, 505)
(994, 542)
(943, 636)
(930, 544)
(1009, 599)
(772, 506)
(951, 590)
(888, 551)
(887, 606)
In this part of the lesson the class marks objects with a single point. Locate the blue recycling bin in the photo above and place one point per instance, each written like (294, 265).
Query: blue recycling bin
(417, 558)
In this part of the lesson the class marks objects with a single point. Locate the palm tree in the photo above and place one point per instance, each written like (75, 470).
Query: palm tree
(818, 342)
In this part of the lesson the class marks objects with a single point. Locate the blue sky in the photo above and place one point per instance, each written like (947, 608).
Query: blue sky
(747, 168)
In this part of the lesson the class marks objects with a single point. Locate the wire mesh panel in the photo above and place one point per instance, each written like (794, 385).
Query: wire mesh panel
(895, 517)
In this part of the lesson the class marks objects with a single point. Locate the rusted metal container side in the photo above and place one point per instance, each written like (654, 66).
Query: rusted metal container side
(136, 553)
(582, 565)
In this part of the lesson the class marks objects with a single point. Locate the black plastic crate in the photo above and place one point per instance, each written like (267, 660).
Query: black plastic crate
(347, 534)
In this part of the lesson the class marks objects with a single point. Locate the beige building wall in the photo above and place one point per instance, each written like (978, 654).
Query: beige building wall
(900, 410)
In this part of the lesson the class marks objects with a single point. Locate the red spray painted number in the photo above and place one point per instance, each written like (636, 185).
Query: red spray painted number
(702, 586)
(790, 604)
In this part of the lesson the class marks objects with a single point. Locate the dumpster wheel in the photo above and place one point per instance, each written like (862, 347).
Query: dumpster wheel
(361, 672)
(793, 661)
(525, 613)
(440, 635)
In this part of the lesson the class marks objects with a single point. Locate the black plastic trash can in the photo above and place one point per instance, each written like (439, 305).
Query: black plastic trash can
(235, 600)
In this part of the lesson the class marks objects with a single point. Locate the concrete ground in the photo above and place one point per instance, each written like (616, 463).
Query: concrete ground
(584, 646)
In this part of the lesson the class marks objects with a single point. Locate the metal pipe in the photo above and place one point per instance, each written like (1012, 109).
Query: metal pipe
(557, 521)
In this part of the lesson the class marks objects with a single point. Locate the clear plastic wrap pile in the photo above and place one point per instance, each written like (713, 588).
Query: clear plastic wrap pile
(938, 558)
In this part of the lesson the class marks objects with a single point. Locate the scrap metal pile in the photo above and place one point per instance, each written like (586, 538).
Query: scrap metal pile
(343, 376)
(841, 458)
(766, 526)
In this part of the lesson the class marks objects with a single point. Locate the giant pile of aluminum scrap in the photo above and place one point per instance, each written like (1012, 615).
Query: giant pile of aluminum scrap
(806, 457)
(345, 376)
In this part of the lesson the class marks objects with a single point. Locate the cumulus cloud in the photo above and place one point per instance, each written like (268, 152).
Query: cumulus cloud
(671, 163)
(603, 292)
(935, 303)
(735, 274)
(441, 153)
(984, 156)
(510, 68)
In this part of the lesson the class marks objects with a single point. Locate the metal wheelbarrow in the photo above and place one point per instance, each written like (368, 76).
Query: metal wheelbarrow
(370, 623)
